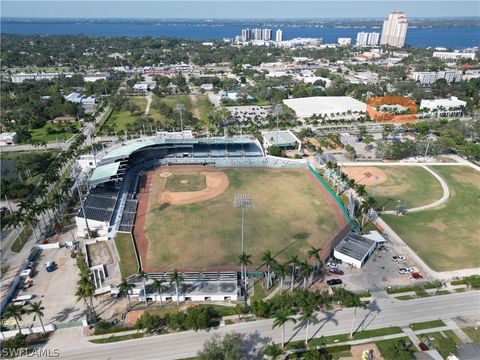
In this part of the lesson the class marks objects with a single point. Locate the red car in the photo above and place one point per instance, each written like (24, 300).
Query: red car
(335, 271)
(417, 275)
(423, 347)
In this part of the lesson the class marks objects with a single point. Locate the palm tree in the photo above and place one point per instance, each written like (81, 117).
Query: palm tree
(158, 286)
(355, 302)
(176, 278)
(367, 204)
(37, 309)
(269, 261)
(85, 289)
(305, 272)
(281, 272)
(125, 288)
(244, 260)
(360, 189)
(142, 275)
(294, 262)
(314, 253)
(14, 311)
(273, 350)
(281, 318)
(308, 316)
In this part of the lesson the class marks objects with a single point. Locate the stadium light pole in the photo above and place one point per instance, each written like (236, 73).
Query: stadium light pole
(180, 107)
(243, 201)
(277, 111)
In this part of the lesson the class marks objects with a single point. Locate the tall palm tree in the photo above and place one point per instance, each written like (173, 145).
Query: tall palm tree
(294, 261)
(273, 350)
(367, 204)
(14, 311)
(281, 272)
(314, 253)
(360, 190)
(269, 262)
(244, 261)
(142, 275)
(157, 285)
(281, 318)
(176, 278)
(305, 272)
(85, 290)
(36, 308)
(309, 317)
(125, 288)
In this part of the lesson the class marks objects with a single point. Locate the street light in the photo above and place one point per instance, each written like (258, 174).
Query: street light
(277, 111)
(180, 107)
(243, 201)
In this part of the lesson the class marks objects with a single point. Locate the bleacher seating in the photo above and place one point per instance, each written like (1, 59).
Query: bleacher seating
(217, 150)
(251, 150)
(234, 150)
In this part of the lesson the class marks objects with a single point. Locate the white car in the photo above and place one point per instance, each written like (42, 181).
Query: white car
(404, 271)
(332, 265)
(398, 258)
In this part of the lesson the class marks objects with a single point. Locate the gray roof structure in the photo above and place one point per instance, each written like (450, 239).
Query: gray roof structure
(285, 138)
(355, 246)
(104, 172)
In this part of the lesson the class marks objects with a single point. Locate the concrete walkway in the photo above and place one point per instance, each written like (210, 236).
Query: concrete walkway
(457, 330)
(442, 200)
(412, 336)
(149, 102)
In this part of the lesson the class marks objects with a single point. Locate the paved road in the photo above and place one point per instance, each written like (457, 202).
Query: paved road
(72, 345)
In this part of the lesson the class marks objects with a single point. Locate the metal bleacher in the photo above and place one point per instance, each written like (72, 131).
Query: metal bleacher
(100, 202)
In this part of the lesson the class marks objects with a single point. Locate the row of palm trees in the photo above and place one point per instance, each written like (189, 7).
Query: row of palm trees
(175, 278)
(16, 311)
(281, 270)
(50, 193)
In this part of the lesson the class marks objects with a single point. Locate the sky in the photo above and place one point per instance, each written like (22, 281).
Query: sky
(235, 9)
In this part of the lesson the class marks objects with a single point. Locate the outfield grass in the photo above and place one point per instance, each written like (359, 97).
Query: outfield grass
(185, 182)
(427, 325)
(290, 214)
(446, 238)
(411, 184)
(128, 263)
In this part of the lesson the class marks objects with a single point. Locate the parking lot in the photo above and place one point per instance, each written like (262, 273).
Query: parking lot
(379, 272)
(55, 289)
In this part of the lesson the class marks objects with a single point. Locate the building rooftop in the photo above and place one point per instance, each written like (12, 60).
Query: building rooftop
(355, 246)
(306, 107)
(104, 172)
(7, 135)
(285, 138)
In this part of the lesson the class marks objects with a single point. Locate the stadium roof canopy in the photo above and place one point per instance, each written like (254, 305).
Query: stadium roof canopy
(104, 172)
(128, 148)
(324, 105)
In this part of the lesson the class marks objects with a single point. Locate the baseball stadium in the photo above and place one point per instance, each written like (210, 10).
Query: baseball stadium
(175, 195)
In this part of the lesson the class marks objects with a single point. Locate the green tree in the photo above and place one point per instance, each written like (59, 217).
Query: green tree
(281, 318)
(228, 348)
(198, 317)
(157, 286)
(36, 308)
(125, 288)
(142, 275)
(273, 351)
(269, 261)
(176, 278)
(14, 311)
(244, 261)
(293, 261)
(281, 272)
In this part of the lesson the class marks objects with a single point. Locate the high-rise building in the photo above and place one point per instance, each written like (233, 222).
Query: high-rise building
(257, 34)
(246, 34)
(394, 29)
(367, 39)
(279, 35)
(267, 34)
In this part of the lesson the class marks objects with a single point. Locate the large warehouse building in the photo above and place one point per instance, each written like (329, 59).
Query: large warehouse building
(331, 106)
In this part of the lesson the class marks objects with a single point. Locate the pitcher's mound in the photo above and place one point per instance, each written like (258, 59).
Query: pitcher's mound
(183, 181)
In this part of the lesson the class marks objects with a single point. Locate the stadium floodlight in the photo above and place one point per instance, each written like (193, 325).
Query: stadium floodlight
(180, 107)
(375, 185)
(243, 201)
(277, 111)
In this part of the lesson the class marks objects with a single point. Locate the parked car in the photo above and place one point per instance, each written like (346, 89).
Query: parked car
(332, 265)
(417, 275)
(398, 258)
(404, 271)
(423, 347)
(335, 271)
(50, 266)
(334, 282)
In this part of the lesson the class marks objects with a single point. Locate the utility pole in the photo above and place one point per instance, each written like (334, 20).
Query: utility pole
(426, 150)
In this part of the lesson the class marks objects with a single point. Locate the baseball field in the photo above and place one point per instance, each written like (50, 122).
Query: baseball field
(186, 218)
(412, 185)
(447, 237)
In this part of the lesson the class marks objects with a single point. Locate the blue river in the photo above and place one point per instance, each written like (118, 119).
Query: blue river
(455, 38)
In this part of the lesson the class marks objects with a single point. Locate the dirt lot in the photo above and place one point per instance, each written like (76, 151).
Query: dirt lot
(99, 253)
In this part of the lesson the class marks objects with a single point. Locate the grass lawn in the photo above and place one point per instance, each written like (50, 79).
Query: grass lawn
(473, 333)
(41, 134)
(185, 182)
(119, 119)
(18, 244)
(446, 238)
(128, 263)
(404, 297)
(207, 234)
(445, 341)
(385, 345)
(112, 339)
(376, 332)
(412, 184)
(259, 292)
(427, 325)
(198, 105)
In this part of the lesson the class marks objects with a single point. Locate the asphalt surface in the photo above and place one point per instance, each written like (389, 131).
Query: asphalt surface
(382, 313)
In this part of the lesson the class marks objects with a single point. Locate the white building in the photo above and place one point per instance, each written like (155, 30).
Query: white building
(330, 106)
(344, 41)
(267, 34)
(453, 55)
(95, 77)
(246, 34)
(394, 29)
(21, 77)
(430, 77)
(282, 138)
(451, 103)
(279, 35)
(367, 39)
(8, 138)
(355, 249)
(451, 75)
(141, 86)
